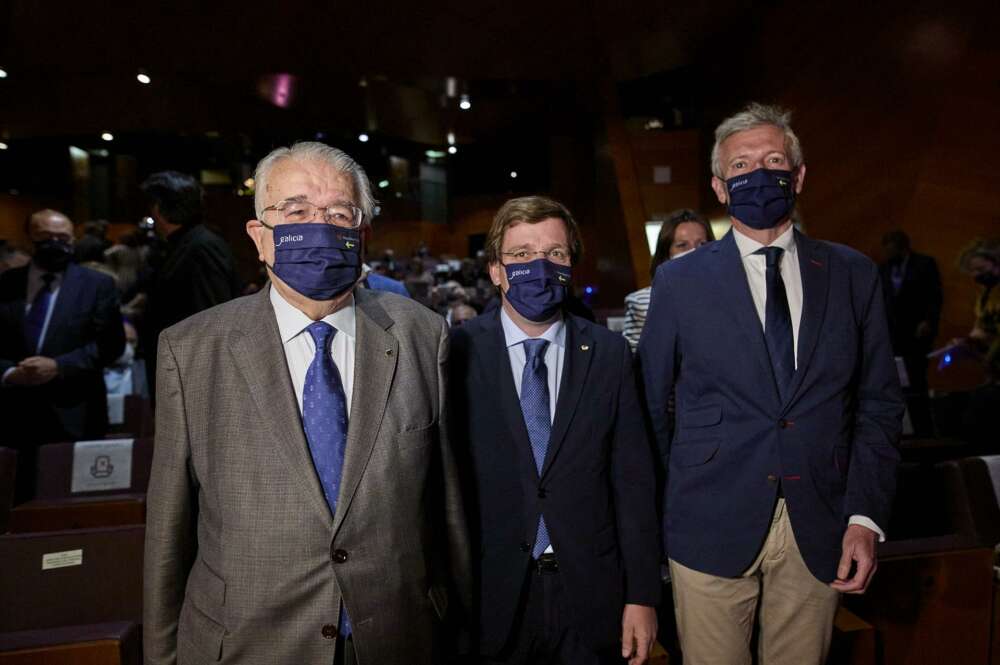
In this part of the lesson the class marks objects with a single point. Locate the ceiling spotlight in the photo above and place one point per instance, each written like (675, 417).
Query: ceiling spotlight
(143, 78)
(451, 138)
(3, 146)
(382, 184)
(108, 136)
(363, 137)
(452, 150)
(3, 73)
(513, 174)
(464, 103)
(248, 183)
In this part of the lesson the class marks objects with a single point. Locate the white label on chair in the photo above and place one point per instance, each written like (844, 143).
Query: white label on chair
(102, 465)
(62, 559)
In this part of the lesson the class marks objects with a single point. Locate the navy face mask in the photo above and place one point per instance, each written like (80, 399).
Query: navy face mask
(319, 261)
(761, 199)
(537, 288)
(53, 255)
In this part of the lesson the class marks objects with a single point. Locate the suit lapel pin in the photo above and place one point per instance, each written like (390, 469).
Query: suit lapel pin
(388, 353)
(584, 347)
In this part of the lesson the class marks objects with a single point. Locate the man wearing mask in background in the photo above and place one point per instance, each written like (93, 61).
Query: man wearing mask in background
(546, 407)
(781, 468)
(304, 504)
(59, 327)
(197, 269)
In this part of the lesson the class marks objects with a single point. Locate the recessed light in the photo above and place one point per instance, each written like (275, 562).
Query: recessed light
(464, 103)
(108, 136)
(3, 73)
(452, 150)
(143, 78)
(382, 184)
(363, 137)
(3, 146)
(513, 174)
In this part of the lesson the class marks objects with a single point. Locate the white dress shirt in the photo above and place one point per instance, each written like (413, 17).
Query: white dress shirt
(555, 354)
(300, 349)
(755, 266)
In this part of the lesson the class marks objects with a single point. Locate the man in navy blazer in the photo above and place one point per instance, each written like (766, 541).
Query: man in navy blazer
(561, 472)
(59, 327)
(781, 469)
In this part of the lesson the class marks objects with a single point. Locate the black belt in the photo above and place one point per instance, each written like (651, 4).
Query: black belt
(546, 564)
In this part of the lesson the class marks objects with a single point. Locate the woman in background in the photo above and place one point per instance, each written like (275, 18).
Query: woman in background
(683, 231)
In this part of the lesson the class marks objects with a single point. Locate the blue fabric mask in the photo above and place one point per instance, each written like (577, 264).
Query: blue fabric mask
(537, 288)
(761, 199)
(319, 261)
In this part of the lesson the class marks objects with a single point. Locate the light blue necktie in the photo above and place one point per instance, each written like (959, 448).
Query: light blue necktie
(537, 418)
(324, 417)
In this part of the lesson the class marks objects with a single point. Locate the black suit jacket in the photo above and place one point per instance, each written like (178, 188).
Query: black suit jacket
(919, 299)
(597, 486)
(85, 334)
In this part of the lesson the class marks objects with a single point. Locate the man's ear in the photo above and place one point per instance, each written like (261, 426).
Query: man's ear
(719, 187)
(800, 176)
(256, 232)
(496, 272)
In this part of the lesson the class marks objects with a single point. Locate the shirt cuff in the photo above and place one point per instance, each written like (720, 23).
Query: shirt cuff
(868, 524)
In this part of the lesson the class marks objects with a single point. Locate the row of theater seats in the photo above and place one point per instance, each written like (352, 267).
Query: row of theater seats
(71, 567)
(71, 562)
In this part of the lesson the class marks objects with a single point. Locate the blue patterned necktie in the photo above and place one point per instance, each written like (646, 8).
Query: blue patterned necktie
(537, 418)
(778, 322)
(34, 321)
(324, 418)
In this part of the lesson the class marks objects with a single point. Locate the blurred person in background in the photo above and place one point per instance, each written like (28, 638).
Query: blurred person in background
(59, 327)
(682, 232)
(913, 296)
(459, 314)
(981, 419)
(11, 257)
(197, 270)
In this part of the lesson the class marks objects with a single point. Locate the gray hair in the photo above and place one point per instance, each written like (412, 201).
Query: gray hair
(338, 159)
(755, 115)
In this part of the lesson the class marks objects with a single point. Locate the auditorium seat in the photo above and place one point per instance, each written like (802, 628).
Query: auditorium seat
(78, 512)
(115, 643)
(137, 417)
(71, 578)
(931, 599)
(8, 469)
(55, 470)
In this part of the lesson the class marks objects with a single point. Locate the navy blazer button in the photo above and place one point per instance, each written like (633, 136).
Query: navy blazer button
(525, 547)
(339, 556)
(330, 631)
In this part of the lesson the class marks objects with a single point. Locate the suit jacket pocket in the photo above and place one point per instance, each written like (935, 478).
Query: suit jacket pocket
(701, 416)
(197, 629)
(417, 438)
(693, 452)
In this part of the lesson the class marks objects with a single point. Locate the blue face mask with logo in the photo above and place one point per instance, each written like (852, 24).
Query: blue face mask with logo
(761, 199)
(319, 261)
(537, 288)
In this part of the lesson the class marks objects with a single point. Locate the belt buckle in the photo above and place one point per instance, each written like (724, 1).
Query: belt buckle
(547, 564)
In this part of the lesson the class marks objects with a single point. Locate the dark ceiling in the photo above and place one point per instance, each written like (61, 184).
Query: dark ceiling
(300, 65)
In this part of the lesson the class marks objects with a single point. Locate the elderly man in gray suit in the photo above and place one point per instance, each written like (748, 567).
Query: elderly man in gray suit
(304, 504)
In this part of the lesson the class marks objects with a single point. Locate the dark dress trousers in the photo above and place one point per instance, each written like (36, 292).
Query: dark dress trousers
(830, 445)
(596, 486)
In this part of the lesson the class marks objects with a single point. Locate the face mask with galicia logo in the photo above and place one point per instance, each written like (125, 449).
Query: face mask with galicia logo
(761, 199)
(319, 261)
(537, 288)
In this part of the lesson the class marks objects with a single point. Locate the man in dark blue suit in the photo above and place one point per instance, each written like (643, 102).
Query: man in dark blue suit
(59, 327)
(562, 478)
(781, 468)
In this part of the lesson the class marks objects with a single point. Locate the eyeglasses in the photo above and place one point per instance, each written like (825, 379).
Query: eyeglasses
(343, 215)
(558, 255)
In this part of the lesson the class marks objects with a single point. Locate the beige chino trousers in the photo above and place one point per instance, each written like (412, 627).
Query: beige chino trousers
(715, 615)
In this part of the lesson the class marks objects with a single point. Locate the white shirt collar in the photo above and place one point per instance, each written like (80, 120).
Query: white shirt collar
(748, 245)
(555, 334)
(292, 321)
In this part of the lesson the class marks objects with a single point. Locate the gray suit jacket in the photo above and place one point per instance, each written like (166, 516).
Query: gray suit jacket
(244, 562)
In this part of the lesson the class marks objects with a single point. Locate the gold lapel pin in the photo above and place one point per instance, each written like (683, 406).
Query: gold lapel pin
(584, 347)
(388, 353)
